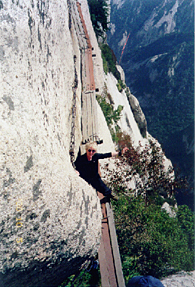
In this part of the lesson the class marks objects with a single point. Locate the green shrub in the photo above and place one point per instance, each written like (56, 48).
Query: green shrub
(99, 16)
(105, 65)
(110, 58)
(148, 163)
(127, 91)
(150, 241)
(111, 115)
(84, 279)
(186, 220)
(120, 85)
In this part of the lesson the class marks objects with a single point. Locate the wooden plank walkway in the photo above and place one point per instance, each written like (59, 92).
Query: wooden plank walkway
(88, 55)
(89, 104)
(108, 255)
(105, 256)
(115, 248)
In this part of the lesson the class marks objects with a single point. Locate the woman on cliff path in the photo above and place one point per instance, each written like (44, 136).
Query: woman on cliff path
(87, 167)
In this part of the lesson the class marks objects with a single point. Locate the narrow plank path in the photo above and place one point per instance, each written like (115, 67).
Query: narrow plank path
(105, 256)
(108, 255)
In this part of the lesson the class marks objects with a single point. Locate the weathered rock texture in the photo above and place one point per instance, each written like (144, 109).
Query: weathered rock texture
(181, 279)
(138, 114)
(50, 218)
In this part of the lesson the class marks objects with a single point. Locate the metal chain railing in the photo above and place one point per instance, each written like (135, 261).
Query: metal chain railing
(72, 134)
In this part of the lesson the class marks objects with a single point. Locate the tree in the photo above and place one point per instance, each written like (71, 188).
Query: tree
(99, 16)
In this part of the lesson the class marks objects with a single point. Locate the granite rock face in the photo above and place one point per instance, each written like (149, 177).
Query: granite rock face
(138, 114)
(50, 218)
(181, 279)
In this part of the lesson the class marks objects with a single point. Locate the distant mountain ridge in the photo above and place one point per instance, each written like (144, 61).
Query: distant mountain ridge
(158, 63)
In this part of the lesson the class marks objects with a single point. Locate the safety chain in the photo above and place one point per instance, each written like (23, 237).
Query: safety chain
(72, 134)
(69, 15)
(93, 138)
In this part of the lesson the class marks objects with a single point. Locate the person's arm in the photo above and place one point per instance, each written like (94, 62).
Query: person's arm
(116, 153)
(110, 154)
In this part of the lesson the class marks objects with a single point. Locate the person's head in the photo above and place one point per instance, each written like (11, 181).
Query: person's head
(91, 149)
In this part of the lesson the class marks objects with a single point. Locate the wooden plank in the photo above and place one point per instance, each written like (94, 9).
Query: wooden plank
(84, 26)
(107, 269)
(115, 248)
(88, 52)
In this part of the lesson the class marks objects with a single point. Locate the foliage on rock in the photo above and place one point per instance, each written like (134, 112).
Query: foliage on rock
(83, 278)
(120, 85)
(109, 61)
(150, 241)
(111, 114)
(99, 16)
(145, 166)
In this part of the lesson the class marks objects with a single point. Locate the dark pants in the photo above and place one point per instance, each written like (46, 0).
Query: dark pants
(100, 186)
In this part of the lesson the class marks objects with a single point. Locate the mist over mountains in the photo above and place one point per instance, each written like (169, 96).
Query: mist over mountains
(154, 43)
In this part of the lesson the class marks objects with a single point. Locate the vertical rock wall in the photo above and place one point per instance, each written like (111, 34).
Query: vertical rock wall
(50, 218)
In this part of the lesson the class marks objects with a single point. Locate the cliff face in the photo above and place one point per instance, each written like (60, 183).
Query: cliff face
(50, 218)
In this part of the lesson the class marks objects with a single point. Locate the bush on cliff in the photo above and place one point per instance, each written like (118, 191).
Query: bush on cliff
(109, 61)
(112, 115)
(150, 241)
(99, 16)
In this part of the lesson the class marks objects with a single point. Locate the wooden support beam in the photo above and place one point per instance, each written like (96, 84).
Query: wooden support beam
(105, 256)
(115, 248)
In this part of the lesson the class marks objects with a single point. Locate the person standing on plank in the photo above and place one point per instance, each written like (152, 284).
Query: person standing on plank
(87, 166)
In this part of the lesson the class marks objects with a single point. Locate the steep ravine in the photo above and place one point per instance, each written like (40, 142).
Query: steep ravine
(158, 56)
